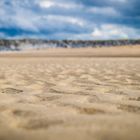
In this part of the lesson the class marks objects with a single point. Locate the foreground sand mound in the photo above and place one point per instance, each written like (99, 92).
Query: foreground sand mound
(69, 98)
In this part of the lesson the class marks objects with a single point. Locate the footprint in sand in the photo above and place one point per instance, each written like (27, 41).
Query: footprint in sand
(135, 99)
(48, 98)
(89, 111)
(10, 91)
(130, 108)
(29, 120)
(38, 123)
(23, 113)
(84, 110)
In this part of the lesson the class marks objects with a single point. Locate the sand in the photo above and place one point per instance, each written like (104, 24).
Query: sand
(69, 98)
(118, 51)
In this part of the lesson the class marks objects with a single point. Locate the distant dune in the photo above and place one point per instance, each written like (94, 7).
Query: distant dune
(118, 51)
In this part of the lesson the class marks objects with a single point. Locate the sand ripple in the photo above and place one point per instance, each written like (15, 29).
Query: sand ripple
(70, 98)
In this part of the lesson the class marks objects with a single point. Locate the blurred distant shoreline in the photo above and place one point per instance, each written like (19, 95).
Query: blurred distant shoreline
(120, 51)
(37, 44)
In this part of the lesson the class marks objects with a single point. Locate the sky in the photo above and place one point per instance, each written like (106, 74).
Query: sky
(70, 19)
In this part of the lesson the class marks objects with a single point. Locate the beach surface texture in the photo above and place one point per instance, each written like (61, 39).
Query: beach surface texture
(70, 94)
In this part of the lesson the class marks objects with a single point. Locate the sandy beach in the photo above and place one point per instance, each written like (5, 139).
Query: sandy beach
(118, 51)
(70, 98)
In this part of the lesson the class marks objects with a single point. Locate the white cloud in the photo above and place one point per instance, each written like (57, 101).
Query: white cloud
(121, 1)
(112, 31)
(52, 3)
(28, 22)
(18, 17)
(65, 19)
(46, 4)
(104, 11)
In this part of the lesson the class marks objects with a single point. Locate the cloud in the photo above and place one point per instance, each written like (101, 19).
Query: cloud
(65, 19)
(71, 19)
(108, 31)
(52, 3)
(107, 11)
